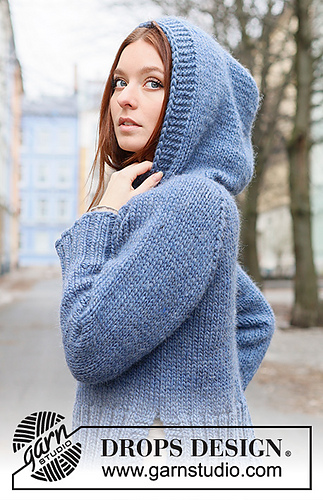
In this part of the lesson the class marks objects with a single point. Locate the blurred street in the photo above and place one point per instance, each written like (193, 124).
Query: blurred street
(33, 370)
(287, 390)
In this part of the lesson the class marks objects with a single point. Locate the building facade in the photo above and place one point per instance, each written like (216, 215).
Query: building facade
(49, 185)
(89, 98)
(11, 90)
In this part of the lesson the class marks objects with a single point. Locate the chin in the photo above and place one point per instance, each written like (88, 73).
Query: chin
(131, 148)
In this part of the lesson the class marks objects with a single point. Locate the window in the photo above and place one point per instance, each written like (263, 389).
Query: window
(42, 209)
(23, 205)
(22, 241)
(42, 243)
(24, 136)
(43, 140)
(42, 173)
(23, 173)
(65, 140)
(63, 209)
(63, 174)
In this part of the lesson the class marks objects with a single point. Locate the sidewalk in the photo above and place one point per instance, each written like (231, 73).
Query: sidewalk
(18, 282)
(294, 362)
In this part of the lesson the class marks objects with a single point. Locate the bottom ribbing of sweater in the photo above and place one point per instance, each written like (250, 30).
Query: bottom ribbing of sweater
(106, 425)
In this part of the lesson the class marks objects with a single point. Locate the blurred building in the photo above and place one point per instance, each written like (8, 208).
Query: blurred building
(274, 224)
(11, 90)
(49, 187)
(89, 98)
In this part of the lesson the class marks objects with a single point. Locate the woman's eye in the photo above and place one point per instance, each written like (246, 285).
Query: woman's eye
(118, 83)
(154, 84)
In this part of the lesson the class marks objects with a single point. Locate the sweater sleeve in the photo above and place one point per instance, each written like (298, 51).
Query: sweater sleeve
(255, 326)
(130, 280)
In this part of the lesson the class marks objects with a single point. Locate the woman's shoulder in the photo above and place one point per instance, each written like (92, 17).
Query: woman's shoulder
(194, 199)
(190, 189)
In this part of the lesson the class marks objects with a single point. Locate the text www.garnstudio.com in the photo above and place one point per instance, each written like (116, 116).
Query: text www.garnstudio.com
(154, 472)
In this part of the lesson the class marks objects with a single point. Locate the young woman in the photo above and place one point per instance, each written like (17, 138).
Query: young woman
(158, 319)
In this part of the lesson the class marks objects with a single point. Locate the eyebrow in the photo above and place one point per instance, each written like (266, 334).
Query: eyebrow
(143, 70)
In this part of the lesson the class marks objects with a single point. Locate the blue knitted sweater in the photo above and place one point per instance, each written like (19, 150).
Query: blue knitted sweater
(157, 316)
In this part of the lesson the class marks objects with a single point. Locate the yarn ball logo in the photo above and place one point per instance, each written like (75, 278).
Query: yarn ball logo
(46, 446)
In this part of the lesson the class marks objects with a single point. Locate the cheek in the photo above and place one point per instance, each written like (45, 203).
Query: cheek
(155, 111)
(113, 107)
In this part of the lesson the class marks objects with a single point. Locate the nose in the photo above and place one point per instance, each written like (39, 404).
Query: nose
(127, 97)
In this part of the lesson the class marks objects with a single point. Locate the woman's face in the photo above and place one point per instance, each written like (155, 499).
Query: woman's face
(138, 95)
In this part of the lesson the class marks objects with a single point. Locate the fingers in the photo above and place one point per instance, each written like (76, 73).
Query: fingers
(120, 190)
(149, 183)
(136, 169)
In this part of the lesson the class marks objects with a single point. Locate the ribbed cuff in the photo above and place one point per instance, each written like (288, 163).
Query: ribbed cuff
(88, 241)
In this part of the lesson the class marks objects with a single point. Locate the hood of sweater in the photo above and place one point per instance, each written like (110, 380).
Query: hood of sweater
(212, 104)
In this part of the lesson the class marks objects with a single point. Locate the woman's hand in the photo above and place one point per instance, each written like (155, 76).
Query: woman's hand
(120, 190)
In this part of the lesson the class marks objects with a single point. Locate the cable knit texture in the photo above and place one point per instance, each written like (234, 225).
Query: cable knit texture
(157, 317)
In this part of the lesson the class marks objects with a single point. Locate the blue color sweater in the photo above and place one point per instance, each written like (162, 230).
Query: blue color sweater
(157, 317)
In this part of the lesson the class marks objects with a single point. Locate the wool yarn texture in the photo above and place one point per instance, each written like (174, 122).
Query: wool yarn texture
(158, 318)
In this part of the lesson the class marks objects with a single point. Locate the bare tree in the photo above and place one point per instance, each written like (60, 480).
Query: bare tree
(306, 305)
(259, 35)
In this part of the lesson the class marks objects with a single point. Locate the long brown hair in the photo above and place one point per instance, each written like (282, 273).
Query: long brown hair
(108, 151)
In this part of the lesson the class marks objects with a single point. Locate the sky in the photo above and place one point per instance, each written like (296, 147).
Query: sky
(52, 36)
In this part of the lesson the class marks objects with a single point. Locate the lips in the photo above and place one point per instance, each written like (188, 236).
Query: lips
(127, 122)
